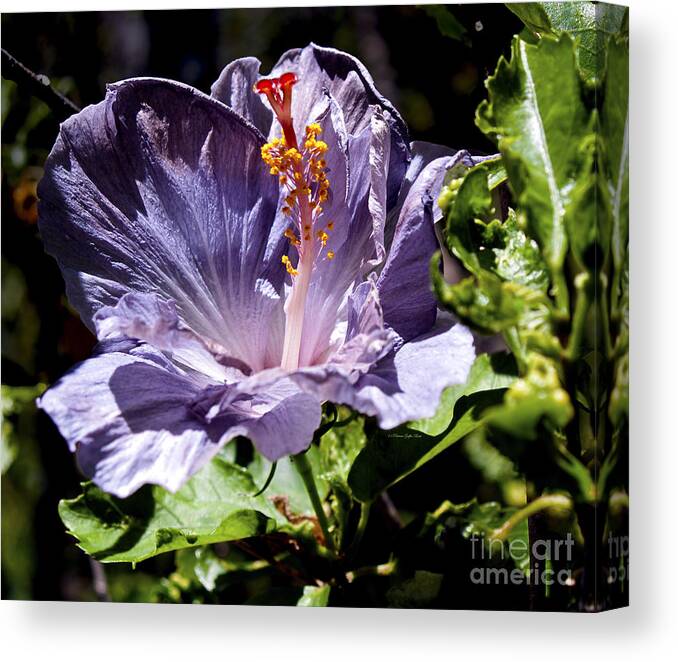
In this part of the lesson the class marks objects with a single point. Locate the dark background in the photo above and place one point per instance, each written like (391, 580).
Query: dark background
(435, 81)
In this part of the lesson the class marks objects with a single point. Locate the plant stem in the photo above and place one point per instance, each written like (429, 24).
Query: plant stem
(383, 570)
(304, 469)
(562, 294)
(99, 581)
(360, 529)
(579, 319)
(532, 508)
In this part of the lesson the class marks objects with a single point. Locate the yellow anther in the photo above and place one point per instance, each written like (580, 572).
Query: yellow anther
(330, 255)
(289, 234)
(288, 265)
(302, 173)
(330, 226)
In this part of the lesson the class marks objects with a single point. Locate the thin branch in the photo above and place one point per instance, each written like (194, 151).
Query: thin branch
(38, 85)
(383, 570)
(99, 581)
(532, 508)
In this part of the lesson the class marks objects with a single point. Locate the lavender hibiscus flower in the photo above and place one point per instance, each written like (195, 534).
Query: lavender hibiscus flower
(243, 258)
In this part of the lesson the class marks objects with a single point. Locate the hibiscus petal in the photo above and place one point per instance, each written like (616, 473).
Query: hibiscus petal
(406, 384)
(147, 317)
(320, 71)
(133, 418)
(235, 88)
(404, 284)
(129, 420)
(277, 416)
(161, 189)
(357, 242)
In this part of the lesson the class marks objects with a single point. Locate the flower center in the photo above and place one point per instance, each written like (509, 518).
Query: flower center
(301, 172)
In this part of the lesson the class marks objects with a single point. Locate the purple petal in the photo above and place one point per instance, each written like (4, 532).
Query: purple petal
(321, 71)
(235, 88)
(357, 241)
(404, 284)
(129, 420)
(133, 418)
(148, 318)
(278, 417)
(161, 189)
(367, 340)
(406, 384)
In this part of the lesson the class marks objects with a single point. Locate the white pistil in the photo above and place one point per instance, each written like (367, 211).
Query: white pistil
(301, 170)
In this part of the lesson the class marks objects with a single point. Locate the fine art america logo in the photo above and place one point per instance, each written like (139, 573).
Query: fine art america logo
(544, 554)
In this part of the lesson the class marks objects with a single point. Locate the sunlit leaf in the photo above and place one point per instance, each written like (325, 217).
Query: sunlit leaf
(314, 596)
(537, 114)
(214, 506)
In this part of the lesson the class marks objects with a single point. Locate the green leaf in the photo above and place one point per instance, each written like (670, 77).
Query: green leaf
(467, 200)
(587, 212)
(536, 396)
(510, 280)
(315, 596)
(202, 564)
(516, 258)
(340, 446)
(489, 304)
(619, 397)
(589, 23)
(481, 520)
(287, 482)
(533, 15)
(214, 506)
(448, 24)
(482, 241)
(390, 455)
(537, 114)
(493, 466)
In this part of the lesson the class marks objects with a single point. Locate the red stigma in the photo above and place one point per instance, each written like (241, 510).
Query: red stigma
(278, 91)
(264, 86)
(287, 79)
